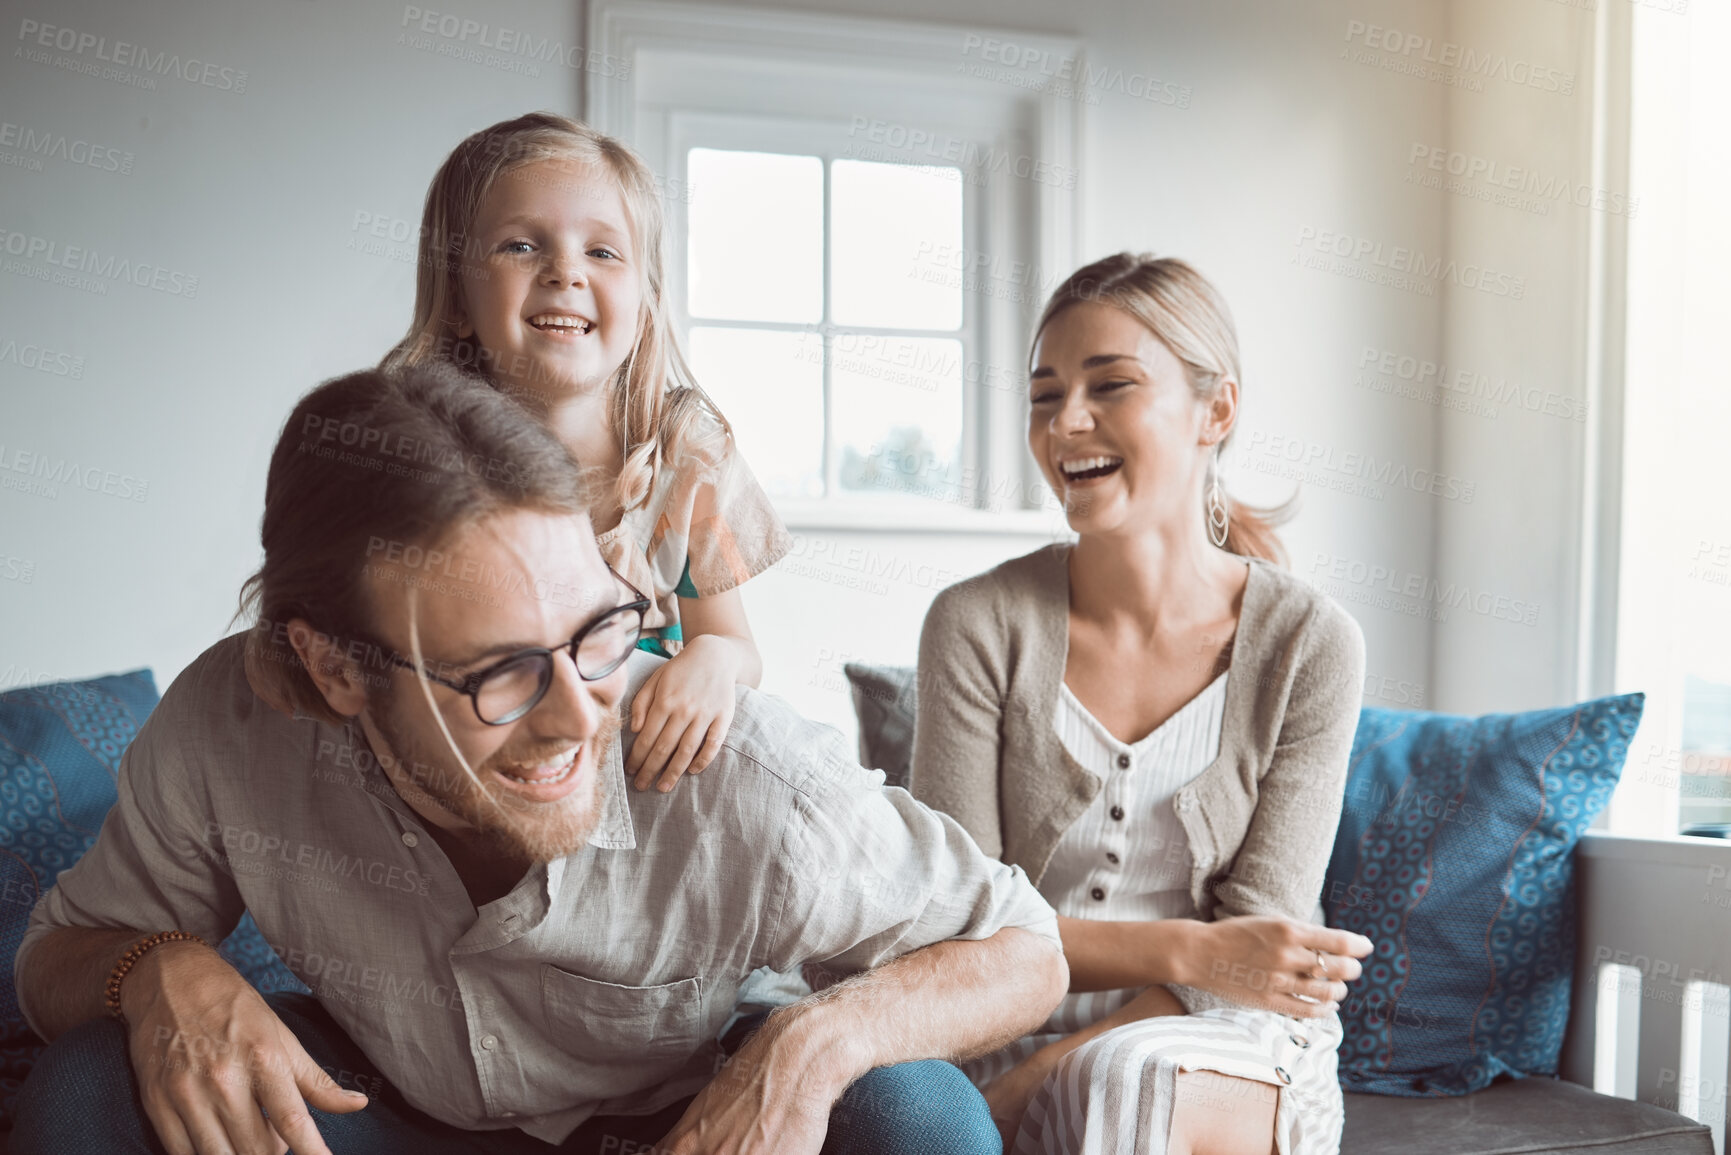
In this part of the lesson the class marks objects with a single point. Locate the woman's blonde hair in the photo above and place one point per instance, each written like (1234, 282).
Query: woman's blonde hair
(656, 402)
(1190, 317)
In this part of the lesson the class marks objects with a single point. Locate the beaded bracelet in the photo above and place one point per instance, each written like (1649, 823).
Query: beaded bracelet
(111, 993)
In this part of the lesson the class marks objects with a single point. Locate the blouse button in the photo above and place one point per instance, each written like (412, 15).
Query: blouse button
(489, 1042)
(1099, 895)
(1117, 813)
(1123, 761)
(1112, 857)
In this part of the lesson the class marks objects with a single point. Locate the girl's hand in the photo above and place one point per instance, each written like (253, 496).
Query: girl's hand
(1295, 968)
(682, 713)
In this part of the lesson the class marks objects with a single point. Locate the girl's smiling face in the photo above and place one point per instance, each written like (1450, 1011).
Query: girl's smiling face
(1118, 430)
(552, 287)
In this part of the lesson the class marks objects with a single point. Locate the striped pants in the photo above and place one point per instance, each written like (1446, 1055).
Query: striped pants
(1115, 1094)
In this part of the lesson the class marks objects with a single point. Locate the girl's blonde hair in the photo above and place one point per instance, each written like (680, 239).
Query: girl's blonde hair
(656, 402)
(1190, 317)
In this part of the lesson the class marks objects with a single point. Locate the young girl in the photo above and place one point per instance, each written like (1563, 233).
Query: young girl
(541, 268)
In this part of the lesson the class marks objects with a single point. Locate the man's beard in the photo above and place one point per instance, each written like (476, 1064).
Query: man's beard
(503, 821)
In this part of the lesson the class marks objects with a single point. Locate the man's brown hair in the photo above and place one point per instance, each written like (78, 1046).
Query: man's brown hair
(374, 462)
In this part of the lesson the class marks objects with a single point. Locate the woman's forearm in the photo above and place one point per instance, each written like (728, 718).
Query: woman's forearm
(1107, 955)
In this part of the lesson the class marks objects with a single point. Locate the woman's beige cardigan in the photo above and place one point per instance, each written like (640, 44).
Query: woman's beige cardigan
(1261, 818)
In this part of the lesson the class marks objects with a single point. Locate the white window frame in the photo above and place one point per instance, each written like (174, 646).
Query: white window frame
(704, 130)
(1653, 334)
(682, 74)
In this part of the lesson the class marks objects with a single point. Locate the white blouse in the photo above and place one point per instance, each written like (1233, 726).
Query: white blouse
(1127, 857)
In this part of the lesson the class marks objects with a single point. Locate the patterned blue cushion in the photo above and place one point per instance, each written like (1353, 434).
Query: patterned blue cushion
(1455, 856)
(60, 748)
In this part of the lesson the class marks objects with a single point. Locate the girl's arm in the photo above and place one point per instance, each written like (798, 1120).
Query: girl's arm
(683, 712)
(721, 618)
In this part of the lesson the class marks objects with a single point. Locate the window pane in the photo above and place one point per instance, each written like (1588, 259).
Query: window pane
(898, 414)
(895, 232)
(756, 236)
(770, 387)
(1706, 761)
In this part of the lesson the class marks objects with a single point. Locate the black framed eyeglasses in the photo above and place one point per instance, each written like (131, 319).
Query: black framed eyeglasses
(516, 683)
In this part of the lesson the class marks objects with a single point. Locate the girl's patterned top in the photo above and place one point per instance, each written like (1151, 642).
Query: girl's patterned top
(707, 527)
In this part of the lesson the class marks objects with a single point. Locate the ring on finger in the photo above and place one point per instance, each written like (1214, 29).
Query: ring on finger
(1322, 965)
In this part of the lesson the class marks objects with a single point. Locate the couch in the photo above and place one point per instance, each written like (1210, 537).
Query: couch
(1636, 901)
(1651, 914)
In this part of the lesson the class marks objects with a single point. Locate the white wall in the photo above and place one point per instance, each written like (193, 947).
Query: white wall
(257, 194)
(1519, 541)
(1287, 139)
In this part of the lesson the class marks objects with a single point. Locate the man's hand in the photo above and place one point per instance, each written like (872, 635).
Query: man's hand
(213, 1060)
(772, 1098)
(1295, 968)
(682, 713)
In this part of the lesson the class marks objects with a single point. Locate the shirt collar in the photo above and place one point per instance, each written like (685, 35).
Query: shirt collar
(614, 829)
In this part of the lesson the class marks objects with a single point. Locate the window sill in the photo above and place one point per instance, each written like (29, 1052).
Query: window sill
(878, 517)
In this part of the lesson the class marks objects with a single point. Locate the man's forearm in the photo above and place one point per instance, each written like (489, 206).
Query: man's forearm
(65, 974)
(951, 1000)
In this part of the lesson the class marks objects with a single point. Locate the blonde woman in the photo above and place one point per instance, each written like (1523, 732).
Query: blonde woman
(541, 269)
(1154, 722)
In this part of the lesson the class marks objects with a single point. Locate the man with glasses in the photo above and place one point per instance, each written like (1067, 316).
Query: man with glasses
(410, 773)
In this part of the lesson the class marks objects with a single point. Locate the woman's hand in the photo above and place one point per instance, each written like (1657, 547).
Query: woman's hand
(1295, 968)
(683, 712)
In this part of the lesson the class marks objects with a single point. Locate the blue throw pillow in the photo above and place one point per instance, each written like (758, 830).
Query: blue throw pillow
(60, 748)
(1455, 856)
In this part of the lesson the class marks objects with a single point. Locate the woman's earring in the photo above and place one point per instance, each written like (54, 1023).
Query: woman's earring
(1219, 513)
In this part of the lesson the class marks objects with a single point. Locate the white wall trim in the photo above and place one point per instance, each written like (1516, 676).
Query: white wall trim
(1600, 538)
(621, 29)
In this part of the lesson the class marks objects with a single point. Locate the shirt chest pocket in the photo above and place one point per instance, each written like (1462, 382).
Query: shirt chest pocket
(608, 1023)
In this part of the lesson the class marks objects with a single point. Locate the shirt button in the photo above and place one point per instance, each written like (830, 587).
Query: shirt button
(1112, 857)
(1186, 802)
(489, 1042)
(1117, 813)
(1099, 895)
(411, 839)
(1123, 761)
